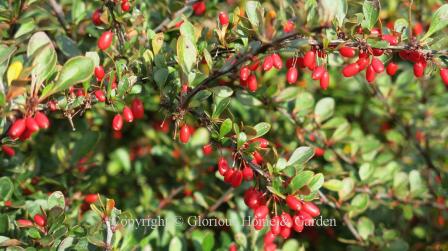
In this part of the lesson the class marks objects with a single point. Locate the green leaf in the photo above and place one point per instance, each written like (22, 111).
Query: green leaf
(262, 128)
(37, 41)
(67, 46)
(287, 94)
(242, 138)
(220, 107)
(186, 53)
(365, 171)
(365, 227)
(417, 185)
(300, 180)
(371, 11)
(360, 202)
(175, 244)
(316, 182)
(6, 188)
(247, 99)
(187, 30)
(348, 184)
(200, 137)
(341, 11)
(160, 77)
(222, 91)
(25, 28)
(225, 128)
(56, 199)
(75, 70)
(252, 11)
(304, 104)
(439, 21)
(333, 185)
(300, 156)
(324, 109)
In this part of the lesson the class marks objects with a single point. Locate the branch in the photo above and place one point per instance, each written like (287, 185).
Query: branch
(163, 25)
(56, 7)
(109, 234)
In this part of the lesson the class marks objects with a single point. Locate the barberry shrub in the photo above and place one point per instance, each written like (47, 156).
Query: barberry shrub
(223, 125)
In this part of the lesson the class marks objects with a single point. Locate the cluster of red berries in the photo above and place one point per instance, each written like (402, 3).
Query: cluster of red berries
(235, 176)
(39, 220)
(23, 129)
(136, 111)
(280, 225)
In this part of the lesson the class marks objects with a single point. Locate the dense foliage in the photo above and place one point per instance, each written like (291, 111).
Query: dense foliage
(112, 112)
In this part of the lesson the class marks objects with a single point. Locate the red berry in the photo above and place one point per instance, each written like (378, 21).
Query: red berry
(277, 61)
(293, 202)
(311, 209)
(91, 198)
(199, 8)
(42, 120)
(125, 6)
(286, 219)
(31, 125)
(223, 18)
(268, 63)
(370, 74)
(8, 203)
(26, 135)
(317, 73)
(378, 65)
(17, 129)
(207, 149)
(377, 52)
(233, 247)
(297, 224)
(244, 73)
(276, 223)
(291, 75)
(117, 122)
(285, 232)
(362, 62)
(223, 166)
(391, 68)
(228, 175)
(184, 134)
(96, 17)
(270, 247)
(261, 212)
(138, 110)
(99, 94)
(419, 69)
(325, 80)
(444, 75)
(253, 198)
(289, 26)
(390, 38)
(309, 60)
(52, 105)
(99, 73)
(40, 220)
(347, 52)
(24, 223)
(248, 173)
(269, 237)
(417, 29)
(264, 143)
(255, 63)
(350, 70)
(319, 151)
(105, 40)
(258, 158)
(259, 223)
(8, 151)
(127, 114)
(252, 84)
(236, 179)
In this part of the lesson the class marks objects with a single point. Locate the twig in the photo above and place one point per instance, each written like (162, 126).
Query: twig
(352, 229)
(166, 21)
(109, 235)
(59, 14)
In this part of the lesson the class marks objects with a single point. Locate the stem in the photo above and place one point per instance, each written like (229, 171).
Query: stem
(163, 25)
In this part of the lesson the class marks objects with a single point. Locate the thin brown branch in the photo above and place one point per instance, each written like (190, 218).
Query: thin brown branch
(163, 25)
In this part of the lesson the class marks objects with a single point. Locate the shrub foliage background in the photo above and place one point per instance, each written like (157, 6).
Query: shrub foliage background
(379, 165)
